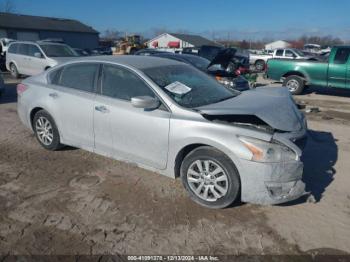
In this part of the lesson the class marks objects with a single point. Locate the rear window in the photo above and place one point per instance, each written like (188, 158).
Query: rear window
(342, 56)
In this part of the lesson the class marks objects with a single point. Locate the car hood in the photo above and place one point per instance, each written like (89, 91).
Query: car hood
(223, 57)
(272, 105)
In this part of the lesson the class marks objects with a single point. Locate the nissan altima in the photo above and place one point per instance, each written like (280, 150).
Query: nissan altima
(171, 118)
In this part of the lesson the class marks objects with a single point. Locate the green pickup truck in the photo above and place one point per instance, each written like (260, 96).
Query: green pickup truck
(296, 74)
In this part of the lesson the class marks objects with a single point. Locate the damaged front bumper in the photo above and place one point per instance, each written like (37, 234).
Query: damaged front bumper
(272, 183)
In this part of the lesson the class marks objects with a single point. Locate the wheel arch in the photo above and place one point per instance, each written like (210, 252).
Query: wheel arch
(185, 150)
(296, 73)
(32, 114)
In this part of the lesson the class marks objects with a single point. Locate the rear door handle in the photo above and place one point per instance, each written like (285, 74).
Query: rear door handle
(53, 95)
(101, 109)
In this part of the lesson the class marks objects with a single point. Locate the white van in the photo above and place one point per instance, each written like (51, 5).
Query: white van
(32, 58)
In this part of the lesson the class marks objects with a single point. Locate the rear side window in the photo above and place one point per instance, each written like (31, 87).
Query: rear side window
(279, 52)
(341, 56)
(120, 83)
(80, 76)
(54, 76)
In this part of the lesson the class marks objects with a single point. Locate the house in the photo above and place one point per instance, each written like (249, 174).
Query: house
(277, 44)
(33, 28)
(179, 41)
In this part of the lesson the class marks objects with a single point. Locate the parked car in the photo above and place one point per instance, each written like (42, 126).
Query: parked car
(217, 69)
(2, 85)
(259, 60)
(149, 51)
(291, 53)
(102, 51)
(31, 58)
(212, 52)
(299, 73)
(171, 118)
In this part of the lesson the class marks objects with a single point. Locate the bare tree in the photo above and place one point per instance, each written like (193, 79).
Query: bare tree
(7, 6)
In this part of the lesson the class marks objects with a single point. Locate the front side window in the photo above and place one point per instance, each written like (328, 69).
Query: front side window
(194, 88)
(32, 49)
(80, 76)
(289, 53)
(342, 56)
(123, 84)
(59, 50)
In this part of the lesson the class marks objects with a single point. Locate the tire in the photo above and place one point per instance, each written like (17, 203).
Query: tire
(14, 71)
(260, 65)
(220, 194)
(295, 84)
(40, 119)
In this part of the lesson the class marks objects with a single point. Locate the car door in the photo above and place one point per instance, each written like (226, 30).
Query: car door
(126, 132)
(36, 60)
(71, 99)
(21, 59)
(338, 70)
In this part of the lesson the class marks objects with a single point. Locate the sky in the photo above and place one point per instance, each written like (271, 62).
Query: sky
(225, 19)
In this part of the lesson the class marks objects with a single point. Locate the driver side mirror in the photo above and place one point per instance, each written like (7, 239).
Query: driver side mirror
(145, 102)
(38, 55)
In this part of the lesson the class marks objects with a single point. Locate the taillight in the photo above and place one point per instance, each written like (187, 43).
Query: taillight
(21, 88)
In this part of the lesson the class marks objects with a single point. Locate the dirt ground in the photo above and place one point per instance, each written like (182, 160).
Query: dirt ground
(76, 202)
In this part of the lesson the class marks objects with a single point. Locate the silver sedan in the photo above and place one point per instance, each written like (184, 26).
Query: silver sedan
(171, 118)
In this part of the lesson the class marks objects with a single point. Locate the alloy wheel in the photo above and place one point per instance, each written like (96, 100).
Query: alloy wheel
(44, 130)
(292, 85)
(207, 179)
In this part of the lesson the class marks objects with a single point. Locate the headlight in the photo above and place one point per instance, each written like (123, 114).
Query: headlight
(225, 81)
(267, 152)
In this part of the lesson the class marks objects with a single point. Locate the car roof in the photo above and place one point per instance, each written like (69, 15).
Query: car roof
(138, 62)
(36, 42)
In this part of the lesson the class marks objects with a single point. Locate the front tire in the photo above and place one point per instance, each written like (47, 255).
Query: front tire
(295, 84)
(210, 178)
(46, 131)
(14, 71)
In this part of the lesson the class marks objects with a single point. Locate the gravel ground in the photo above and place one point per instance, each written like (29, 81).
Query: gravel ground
(75, 202)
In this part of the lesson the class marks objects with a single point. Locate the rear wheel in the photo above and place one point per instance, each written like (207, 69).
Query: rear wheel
(295, 84)
(210, 178)
(46, 131)
(14, 71)
(260, 65)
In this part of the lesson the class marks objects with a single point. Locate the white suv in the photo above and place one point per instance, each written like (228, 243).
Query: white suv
(32, 58)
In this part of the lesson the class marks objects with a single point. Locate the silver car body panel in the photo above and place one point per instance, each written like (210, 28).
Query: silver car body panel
(154, 139)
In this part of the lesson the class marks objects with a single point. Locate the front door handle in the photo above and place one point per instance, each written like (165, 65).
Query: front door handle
(53, 95)
(101, 109)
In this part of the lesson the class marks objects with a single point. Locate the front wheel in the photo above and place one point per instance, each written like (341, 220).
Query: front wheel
(210, 178)
(295, 84)
(46, 131)
(14, 71)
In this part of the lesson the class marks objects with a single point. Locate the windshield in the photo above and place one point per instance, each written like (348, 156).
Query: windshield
(198, 62)
(51, 50)
(201, 89)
